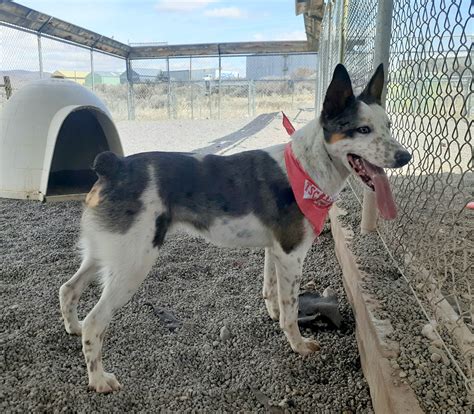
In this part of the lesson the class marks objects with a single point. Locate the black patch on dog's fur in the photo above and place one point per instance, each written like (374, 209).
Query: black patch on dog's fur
(196, 192)
(162, 223)
(122, 183)
(340, 108)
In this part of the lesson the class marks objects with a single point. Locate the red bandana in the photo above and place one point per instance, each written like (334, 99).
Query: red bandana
(311, 200)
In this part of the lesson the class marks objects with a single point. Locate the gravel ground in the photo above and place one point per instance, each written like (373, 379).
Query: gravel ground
(207, 288)
(437, 384)
(192, 368)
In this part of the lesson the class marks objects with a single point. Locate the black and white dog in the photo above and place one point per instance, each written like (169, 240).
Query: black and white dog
(244, 199)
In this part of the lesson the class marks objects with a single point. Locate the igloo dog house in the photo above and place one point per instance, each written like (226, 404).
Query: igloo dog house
(50, 132)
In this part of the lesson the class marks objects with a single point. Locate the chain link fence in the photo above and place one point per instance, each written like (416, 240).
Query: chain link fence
(26, 56)
(166, 88)
(219, 88)
(429, 101)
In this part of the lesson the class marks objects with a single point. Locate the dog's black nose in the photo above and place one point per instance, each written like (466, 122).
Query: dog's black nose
(402, 158)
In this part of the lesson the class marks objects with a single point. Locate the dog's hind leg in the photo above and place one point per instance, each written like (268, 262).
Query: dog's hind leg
(270, 288)
(71, 291)
(289, 268)
(121, 280)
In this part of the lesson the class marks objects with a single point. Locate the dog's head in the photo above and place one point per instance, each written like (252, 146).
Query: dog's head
(357, 132)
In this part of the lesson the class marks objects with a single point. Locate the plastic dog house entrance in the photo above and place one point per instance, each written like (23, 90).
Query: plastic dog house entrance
(50, 132)
(80, 138)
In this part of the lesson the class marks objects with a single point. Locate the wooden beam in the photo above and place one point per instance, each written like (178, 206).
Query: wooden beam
(214, 49)
(26, 18)
(290, 46)
(205, 49)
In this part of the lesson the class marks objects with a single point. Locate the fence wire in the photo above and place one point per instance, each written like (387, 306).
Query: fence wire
(230, 87)
(429, 101)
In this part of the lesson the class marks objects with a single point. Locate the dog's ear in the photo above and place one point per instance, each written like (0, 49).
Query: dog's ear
(339, 94)
(373, 91)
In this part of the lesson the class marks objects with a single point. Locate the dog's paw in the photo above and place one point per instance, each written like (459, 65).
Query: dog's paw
(273, 309)
(73, 328)
(105, 383)
(307, 346)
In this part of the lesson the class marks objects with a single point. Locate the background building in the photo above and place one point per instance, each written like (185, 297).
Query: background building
(281, 66)
(103, 78)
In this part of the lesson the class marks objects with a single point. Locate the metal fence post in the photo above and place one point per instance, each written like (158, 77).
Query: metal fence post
(254, 106)
(130, 92)
(248, 96)
(381, 55)
(191, 84)
(92, 70)
(40, 56)
(169, 86)
(219, 91)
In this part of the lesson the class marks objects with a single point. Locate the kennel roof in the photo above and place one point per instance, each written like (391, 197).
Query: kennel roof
(30, 123)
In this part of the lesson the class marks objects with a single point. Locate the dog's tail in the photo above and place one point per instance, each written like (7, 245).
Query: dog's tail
(107, 164)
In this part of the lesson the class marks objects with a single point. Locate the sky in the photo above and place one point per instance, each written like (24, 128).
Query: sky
(180, 21)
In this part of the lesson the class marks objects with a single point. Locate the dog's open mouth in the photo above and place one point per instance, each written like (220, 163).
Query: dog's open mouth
(376, 179)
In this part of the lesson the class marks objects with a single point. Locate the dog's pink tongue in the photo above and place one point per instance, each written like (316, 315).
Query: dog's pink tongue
(383, 193)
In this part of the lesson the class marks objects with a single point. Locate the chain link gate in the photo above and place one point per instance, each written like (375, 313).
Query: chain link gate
(429, 101)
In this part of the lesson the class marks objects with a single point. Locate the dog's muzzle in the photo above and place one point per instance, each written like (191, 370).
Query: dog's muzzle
(401, 158)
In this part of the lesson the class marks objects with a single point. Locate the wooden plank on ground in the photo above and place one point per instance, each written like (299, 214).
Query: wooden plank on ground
(374, 347)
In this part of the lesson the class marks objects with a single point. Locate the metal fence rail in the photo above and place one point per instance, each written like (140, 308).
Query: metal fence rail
(429, 101)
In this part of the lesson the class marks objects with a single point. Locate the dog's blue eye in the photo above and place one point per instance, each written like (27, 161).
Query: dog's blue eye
(363, 130)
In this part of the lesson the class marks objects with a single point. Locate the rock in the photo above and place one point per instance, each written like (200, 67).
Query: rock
(402, 374)
(435, 357)
(310, 286)
(283, 403)
(429, 332)
(225, 333)
(440, 352)
(329, 292)
(215, 344)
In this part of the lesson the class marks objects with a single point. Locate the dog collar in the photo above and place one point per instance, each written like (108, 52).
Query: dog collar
(312, 201)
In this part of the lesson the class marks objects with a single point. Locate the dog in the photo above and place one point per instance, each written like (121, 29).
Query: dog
(241, 200)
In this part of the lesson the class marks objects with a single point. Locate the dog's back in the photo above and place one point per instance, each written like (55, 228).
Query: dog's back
(201, 193)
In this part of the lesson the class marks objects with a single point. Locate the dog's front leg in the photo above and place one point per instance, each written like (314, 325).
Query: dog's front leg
(289, 269)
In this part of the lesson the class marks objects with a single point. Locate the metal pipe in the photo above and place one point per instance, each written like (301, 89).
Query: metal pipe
(130, 92)
(40, 56)
(191, 84)
(381, 55)
(92, 69)
(169, 86)
(219, 91)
